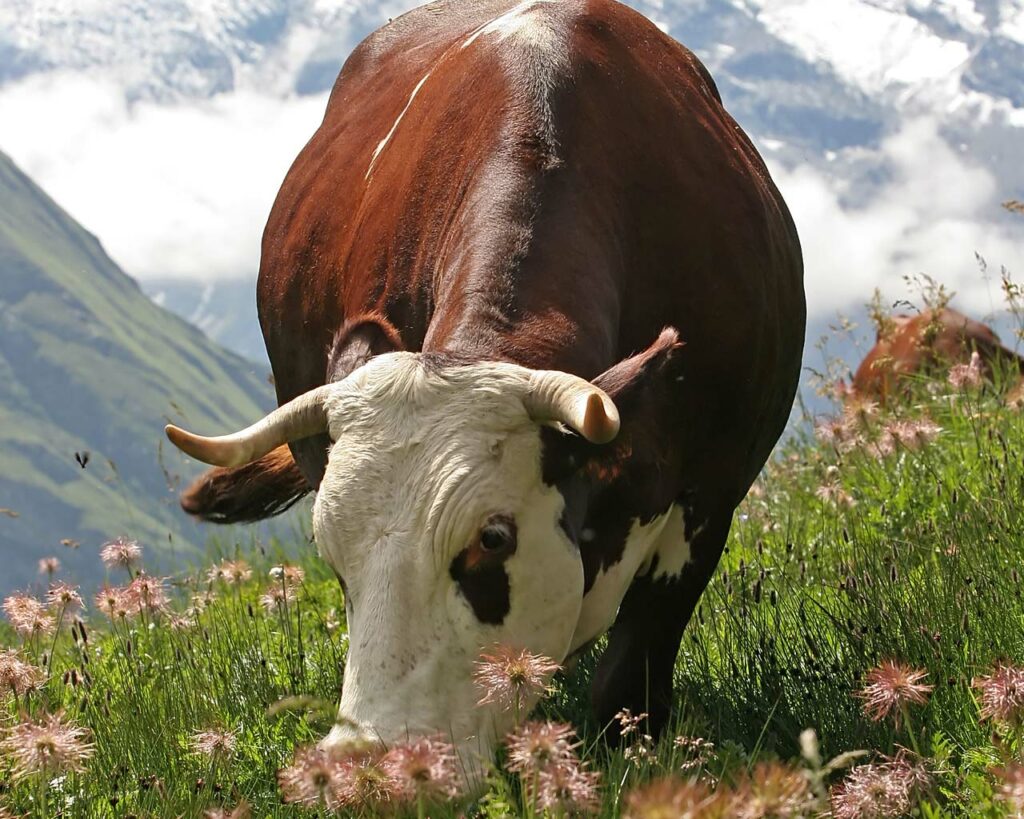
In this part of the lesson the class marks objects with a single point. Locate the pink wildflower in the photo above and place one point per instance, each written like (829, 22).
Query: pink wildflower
(64, 595)
(291, 575)
(28, 616)
(49, 566)
(49, 746)
(566, 789)
(511, 678)
(835, 494)
(147, 594)
(911, 434)
(536, 745)
(241, 811)
(879, 790)
(17, 676)
(312, 779)
(364, 783)
(120, 553)
(890, 687)
(230, 572)
(276, 598)
(423, 769)
(217, 745)
(1002, 694)
(113, 601)
(967, 375)
(774, 790)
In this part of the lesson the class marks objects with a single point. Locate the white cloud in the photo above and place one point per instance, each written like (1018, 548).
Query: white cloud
(935, 211)
(171, 190)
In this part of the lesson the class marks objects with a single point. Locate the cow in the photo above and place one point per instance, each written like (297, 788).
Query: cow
(535, 313)
(927, 343)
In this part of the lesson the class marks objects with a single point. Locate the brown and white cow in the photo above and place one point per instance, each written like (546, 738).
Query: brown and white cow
(927, 343)
(535, 312)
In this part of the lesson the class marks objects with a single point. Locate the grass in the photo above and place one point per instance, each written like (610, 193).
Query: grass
(912, 554)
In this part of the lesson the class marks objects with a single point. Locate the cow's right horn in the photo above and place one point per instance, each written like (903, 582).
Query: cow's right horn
(299, 418)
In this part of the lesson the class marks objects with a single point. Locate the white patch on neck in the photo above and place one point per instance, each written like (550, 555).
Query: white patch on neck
(520, 19)
(664, 538)
(383, 143)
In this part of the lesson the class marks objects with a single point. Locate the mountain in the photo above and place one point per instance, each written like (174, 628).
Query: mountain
(224, 310)
(90, 370)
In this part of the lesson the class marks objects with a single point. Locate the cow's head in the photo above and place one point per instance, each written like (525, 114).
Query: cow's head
(434, 514)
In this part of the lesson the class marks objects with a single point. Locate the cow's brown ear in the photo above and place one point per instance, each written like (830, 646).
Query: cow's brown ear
(643, 387)
(360, 339)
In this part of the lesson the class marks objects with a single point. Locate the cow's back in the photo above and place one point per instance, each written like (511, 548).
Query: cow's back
(564, 166)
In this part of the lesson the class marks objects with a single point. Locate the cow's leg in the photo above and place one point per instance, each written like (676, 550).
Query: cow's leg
(636, 669)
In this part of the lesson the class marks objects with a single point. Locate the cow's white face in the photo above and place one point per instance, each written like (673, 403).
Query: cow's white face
(433, 513)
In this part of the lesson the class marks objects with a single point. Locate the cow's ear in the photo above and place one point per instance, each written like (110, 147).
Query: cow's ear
(642, 388)
(360, 339)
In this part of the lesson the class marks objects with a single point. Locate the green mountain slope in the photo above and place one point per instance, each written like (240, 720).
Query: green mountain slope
(89, 363)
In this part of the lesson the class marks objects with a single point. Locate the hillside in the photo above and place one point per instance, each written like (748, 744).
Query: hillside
(89, 364)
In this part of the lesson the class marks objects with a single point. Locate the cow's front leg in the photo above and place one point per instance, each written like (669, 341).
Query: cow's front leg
(636, 669)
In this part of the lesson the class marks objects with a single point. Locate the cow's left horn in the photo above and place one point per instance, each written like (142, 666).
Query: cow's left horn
(558, 396)
(299, 418)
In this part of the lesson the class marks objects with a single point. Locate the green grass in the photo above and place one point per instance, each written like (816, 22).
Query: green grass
(924, 567)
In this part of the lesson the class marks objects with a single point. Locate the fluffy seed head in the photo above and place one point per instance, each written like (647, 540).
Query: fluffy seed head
(120, 553)
(512, 677)
(28, 616)
(879, 790)
(566, 789)
(672, 799)
(230, 572)
(312, 779)
(967, 375)
(423, 769)
(890, 687)
(49, 566)
(64, 595)
(17, 676)
(773, 791)
(49, 746)
(1002, 695)
(536, 745)
(217, 745)
(1011, 786)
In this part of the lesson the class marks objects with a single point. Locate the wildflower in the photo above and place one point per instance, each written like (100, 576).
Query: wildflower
(891, 687)
(831, 431)
(642, 747)
(423, 769)
(510, 678)
(774, 790)
(113, 601)
(16, 675)
(28, 616)
(230, 572)
(49, 566)
(364, 783)
(147, 593)
(276, 597)
(911, 434)
(292, 575)
(49, 747)
(312, 779)
(672, 799)
(566, 789)
(1011, 786)
(1002, 694)
(967, 375)
(120, 553)
(879, 790)
(64, 595)
(217, 745)
(536, 745)
(835, 494)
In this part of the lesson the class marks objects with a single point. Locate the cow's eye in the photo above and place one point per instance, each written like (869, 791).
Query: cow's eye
(498, 535)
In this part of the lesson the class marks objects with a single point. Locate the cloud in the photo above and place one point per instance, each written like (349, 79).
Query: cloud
(184, 190)
(171, 190)
(934, 210)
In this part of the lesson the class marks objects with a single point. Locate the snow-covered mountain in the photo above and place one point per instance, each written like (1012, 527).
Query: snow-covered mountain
(894, 127)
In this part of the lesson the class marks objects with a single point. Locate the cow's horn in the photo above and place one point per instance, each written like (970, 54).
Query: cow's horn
(299, 418)
(558, 396)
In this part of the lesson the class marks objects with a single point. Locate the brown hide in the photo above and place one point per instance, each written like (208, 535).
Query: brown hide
(928, 343)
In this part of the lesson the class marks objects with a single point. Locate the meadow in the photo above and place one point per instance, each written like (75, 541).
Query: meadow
(859, 652)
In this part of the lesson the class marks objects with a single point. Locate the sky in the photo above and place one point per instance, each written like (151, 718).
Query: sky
(183, 189)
